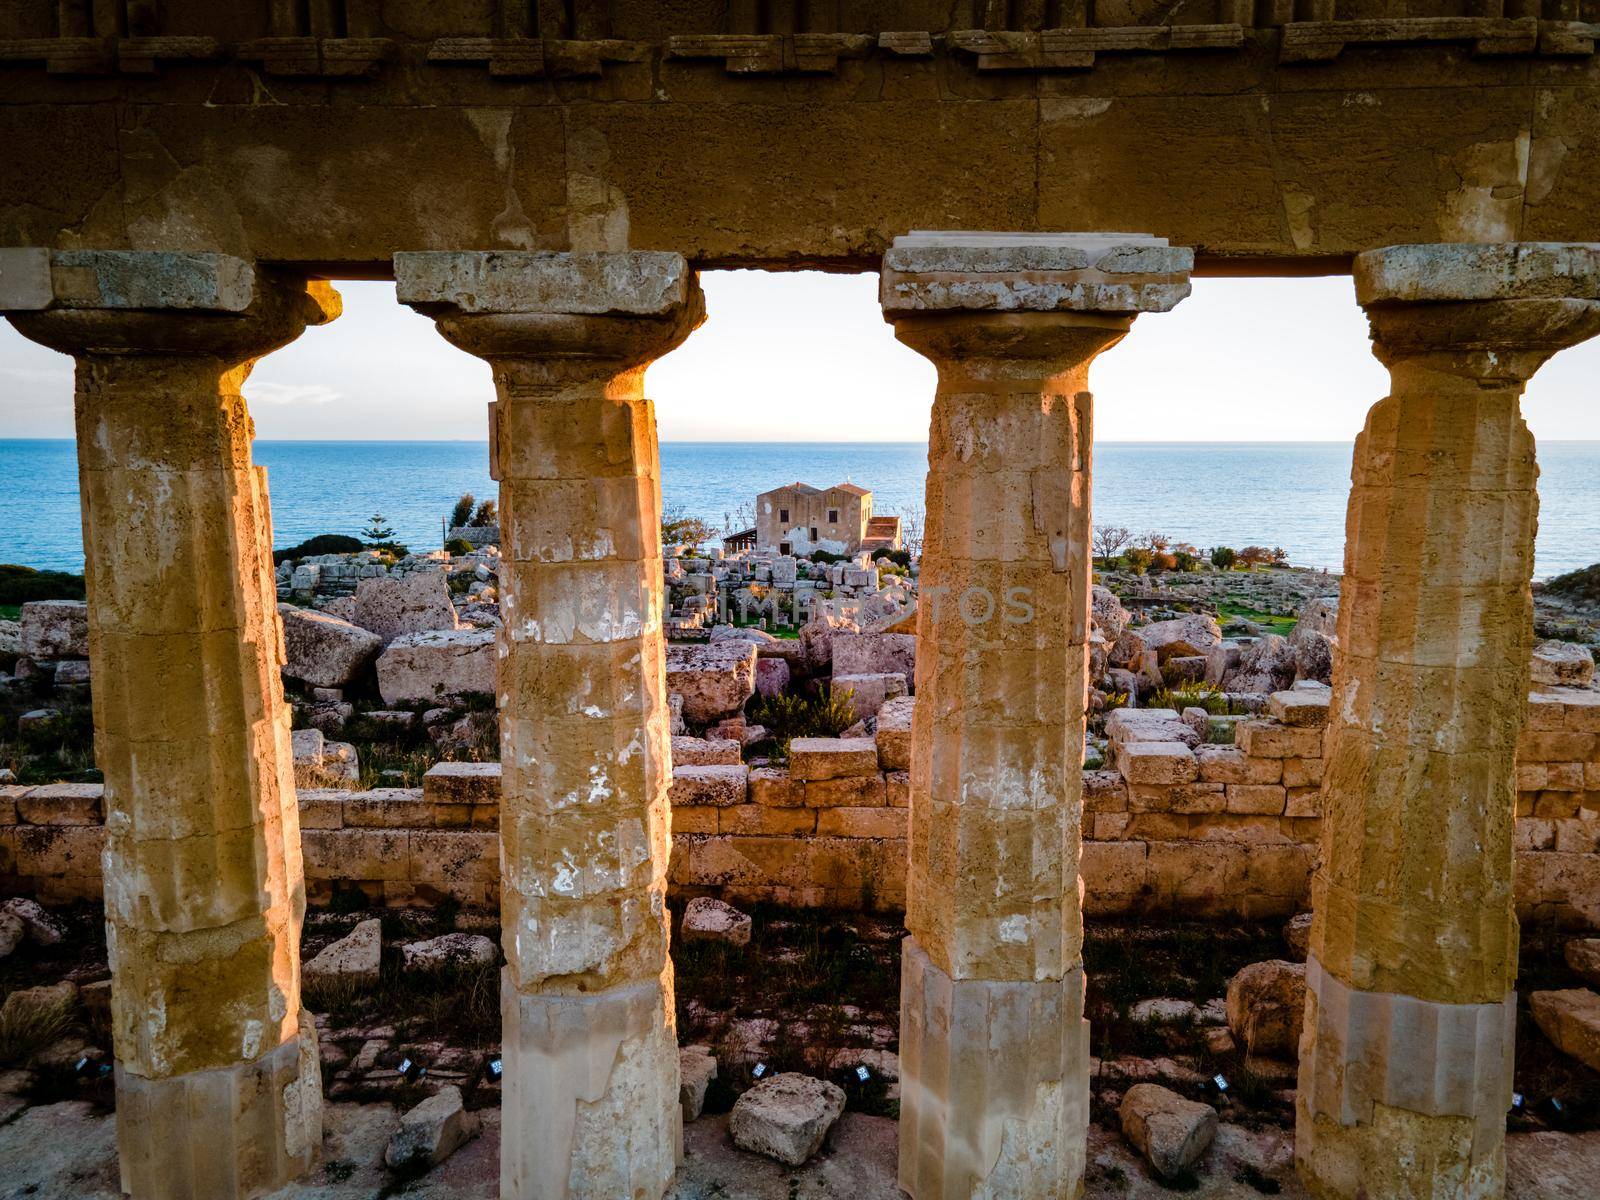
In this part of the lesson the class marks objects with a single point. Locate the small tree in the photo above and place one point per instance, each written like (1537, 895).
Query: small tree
(1223, 558)
(1280, 557)
(1184, 560)
(1138, 559)
(911, 526)
(678, 528)
(488, 513)
(462, 512)
(1157, 541)
(377, 530)
(1255, 556)
(1110, 539)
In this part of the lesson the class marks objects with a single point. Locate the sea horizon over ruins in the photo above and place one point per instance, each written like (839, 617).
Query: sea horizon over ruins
(1277, 493)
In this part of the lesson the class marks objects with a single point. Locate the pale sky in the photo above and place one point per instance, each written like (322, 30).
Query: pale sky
(807, 356)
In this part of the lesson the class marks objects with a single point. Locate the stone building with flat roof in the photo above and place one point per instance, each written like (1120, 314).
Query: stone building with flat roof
(799, 519)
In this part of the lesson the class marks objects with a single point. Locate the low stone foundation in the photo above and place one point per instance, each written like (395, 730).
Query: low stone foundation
(1173, 829)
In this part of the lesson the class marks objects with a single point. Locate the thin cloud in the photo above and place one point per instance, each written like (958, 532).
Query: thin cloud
(267, 392)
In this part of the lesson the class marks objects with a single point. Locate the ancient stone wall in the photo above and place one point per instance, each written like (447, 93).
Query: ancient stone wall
(1237, 840)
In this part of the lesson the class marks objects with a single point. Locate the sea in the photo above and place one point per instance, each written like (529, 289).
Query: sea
(1288, 494)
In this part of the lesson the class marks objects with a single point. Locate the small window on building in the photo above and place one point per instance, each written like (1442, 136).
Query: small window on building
(833, 516)
(813, 533)
(783, 515)
(785, 548)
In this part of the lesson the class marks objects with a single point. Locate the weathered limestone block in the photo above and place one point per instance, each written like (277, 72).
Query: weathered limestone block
(702, 752)
(1149, 725)
(869, 693)
(1299, 708)
(431, 1132)
(1562, 664)
(772, 675)
(218, 1084)
(707, 919)
(874, 654)
(322, 650)
(697, 1067)
(893, 734)
(354, 958)
(1230, 764)
(992, 971)
(786, 1117)
(1413, 894)
(1270, 739)
(1571, 1020)
(1193, 635)
(437, 665)
(714, 680)
(710, 786)
(1266, 1007)
(55, 629)
(1157, 763)
(590, 1092)
(832, 758)
(393, 605)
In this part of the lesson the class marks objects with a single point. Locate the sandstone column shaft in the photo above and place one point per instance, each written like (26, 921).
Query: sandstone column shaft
(591, 1068)
(218, 1076)
(994, 1047)
(1405, 1068)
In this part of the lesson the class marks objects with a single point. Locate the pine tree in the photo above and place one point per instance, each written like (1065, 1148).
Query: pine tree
(377, 529)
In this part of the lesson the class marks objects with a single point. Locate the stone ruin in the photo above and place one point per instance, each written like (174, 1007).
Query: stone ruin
(165, 226)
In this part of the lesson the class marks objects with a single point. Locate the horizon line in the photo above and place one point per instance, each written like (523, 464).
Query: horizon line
(422, 441)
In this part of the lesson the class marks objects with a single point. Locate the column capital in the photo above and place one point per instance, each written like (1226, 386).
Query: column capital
(615, 306)
(1486, 311)
(181, 303)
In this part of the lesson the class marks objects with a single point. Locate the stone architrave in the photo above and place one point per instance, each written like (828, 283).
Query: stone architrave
(1405, 1064)
(993, 1043)
(219, 1092)
(591, 1104)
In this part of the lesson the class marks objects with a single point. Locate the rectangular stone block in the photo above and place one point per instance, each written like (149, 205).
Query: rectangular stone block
(1533, 833)
(1177, 798)
(356, 855)
(894, 731)
(1104, 792)
(641, 283)
(59, 849)
(1546, 711)
(897, 789)
(1109, 826)
(882, 822)
(1563, 777)
(61, 804)
(1156, 763)
(10, 793)
(832, 758)
(388, 808)
(1556, 746)
(1230, 764)
(1303, 802)
(1256, 798)
(1112, 869)
(462, 783)
(710, 787)
(776, 788)
(693, 820)
(1269, 739)
(758, 820)
(1301, 772)
(1299, 708)
(705, 752)
(321, 808)
(1557, 804)
(1582, 711)
(445, 857)
(856, 791)
(1576, 836)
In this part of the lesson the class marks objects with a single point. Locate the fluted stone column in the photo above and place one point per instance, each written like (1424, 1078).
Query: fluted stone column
(993, 1044)
(1405, 1062)
(590, 1099)
(219, 1091)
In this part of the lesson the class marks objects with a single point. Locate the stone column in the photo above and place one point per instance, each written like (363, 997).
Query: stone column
(219, 1090)
(993, 1044)
(590, 1100)
(1405, 1062)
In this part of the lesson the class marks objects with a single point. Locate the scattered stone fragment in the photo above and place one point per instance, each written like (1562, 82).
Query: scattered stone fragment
(12, 931)
(1161, 1011)
(697, 1067)
(392, 606)
(707, 919)
(1297, 933)
(1555, 663)
(1171, 1132)
(434, 665)
(448, 950)
(43, 929)
(38, 720)
(432, 1131)
(714, 680)
(1219, 1041)
(354, 957)
(323, 651)
(1570, 1018)
(1266, 1007)
(786, 1117)
(1583, 956)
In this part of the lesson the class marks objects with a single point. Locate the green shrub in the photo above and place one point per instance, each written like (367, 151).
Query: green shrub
(19, 584)
(462, 512)
(1223, 558)
(458, 546)
(1138, 559)
(787, 716)
(827, 556)
(1582, 584)
(1191, 695)
(323, 543)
